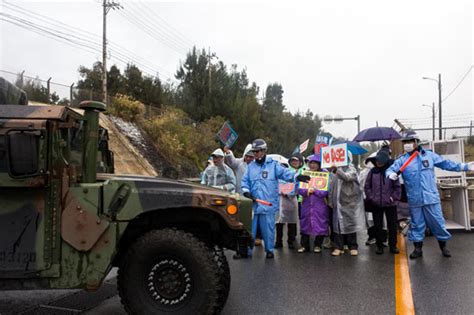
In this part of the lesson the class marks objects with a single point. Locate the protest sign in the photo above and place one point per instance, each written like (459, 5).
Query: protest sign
(319, 180)
(303, 146)
(334, 155)
(321, 141)
(286, 188)
(227, 135)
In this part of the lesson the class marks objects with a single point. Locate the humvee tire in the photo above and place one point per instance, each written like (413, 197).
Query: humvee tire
(169, 270)
(224, 277)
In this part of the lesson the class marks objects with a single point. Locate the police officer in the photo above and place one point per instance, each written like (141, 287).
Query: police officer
(422, 193)
(260, 181)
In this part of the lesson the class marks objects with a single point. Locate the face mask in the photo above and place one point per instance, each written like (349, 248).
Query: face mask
(408, 147)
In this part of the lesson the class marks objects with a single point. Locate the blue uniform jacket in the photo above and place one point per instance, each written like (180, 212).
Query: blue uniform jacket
(261, 180)
(419, 176)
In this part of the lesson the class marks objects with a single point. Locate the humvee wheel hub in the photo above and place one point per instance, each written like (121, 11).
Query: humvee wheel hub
(169, 282)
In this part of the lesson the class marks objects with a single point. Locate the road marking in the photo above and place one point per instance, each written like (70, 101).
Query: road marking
(403, 294)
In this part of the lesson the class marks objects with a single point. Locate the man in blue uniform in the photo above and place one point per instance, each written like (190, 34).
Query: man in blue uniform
(422, 193)
(260, 181)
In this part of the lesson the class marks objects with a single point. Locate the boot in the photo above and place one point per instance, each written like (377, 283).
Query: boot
(291, 235)
(417, 252)
(379, 250)
(270, 255)
(444, 250)
(279, 235)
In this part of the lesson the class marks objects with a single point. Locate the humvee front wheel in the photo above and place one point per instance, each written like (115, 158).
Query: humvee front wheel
(169, 271)
(224, 276)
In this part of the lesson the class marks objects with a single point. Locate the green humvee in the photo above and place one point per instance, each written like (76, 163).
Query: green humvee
(63, 225)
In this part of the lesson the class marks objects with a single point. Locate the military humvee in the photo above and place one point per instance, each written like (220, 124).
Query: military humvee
(63, 225)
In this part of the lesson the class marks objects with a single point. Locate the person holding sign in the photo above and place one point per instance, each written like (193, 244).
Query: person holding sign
(345, 198)
(219, 175)
(288, 207)
(238, 165)
(417, 169)
(260, 183)
(314, 219)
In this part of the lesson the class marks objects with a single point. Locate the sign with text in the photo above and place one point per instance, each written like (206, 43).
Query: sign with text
(286, 188)
(227, 135)
(319, 180)
(334, 155)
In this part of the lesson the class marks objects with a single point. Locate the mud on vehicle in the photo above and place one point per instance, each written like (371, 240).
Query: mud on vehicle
(63, 225)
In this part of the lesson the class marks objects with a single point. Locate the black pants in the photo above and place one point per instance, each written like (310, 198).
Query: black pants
(318, 240)
(348, 239)
(291, 232)
(331, 233)
(391, 215)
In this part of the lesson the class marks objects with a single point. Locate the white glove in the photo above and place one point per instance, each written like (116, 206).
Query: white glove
(470, 166)
(393, 176)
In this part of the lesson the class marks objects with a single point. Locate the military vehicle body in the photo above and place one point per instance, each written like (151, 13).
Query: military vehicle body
(63, 225)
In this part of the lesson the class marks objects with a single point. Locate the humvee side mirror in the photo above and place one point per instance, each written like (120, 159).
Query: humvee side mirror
(23, 153)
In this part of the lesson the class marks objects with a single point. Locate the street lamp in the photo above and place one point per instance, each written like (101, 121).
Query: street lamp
(433, 116)
(439, 103)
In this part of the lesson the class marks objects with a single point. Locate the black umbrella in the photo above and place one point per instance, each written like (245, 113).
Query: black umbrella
(377, 133)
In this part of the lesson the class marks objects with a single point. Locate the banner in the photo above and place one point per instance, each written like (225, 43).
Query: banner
(319, 180)
(227, 135)
(334, 155)
(286, 188)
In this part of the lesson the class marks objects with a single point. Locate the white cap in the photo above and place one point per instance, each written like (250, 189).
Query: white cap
(218, 152)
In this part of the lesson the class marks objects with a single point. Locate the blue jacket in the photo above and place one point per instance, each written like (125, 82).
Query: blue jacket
(419, 176)
(261, 180)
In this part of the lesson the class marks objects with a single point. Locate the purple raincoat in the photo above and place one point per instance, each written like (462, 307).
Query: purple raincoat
(314, 213)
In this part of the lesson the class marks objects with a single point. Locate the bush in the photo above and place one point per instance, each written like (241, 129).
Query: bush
(183, 143)
(126, 108)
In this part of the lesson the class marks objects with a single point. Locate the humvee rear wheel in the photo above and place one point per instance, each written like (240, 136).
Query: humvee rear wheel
(224, 276)
(169, 271)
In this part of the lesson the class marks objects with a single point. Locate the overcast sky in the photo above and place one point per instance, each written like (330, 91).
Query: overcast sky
(343, 58)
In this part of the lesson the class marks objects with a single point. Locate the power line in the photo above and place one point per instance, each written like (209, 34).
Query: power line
(89, 38)
(455, 88)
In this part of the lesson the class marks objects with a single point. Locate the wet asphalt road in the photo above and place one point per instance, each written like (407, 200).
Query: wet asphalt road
(307, 283)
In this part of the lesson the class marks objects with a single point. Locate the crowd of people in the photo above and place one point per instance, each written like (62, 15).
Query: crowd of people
(370, 199)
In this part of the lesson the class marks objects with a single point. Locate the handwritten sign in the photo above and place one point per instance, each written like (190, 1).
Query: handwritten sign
(227, 135)
(334, 155)
(286, 188)
(319, 180)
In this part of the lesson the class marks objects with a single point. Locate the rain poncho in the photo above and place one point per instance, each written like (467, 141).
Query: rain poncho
(238, 165)
(345, 197)
(288, 206)
(262, 181)
(219, 176)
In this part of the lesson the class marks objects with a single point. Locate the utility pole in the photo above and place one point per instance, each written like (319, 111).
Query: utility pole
(440, 108)
(106, 6)
(210, 56)
(433, 117)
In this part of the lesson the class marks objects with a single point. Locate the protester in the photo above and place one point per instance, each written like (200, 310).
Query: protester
(369, 221)
(382, 195)
(314, 212)
(288, 213)
(345, 197)
(219, 175)
(238, 165)
(260, 181)
(422, 192)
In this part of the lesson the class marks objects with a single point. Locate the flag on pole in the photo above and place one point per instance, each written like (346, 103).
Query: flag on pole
(304, 146)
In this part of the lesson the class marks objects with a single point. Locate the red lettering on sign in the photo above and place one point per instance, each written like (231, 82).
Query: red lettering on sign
(326, 157)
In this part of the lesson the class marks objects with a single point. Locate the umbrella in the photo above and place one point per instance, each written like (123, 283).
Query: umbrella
(354, 147)
(377, 133)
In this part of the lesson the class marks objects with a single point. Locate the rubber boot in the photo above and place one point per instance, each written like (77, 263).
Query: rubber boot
(291, 235)
(279, 235)
(417, 252)
(444, 250)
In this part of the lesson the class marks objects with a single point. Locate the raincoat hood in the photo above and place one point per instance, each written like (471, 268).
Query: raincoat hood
(297, 156)
(218, 152)
(248, 150)
(314, 158)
